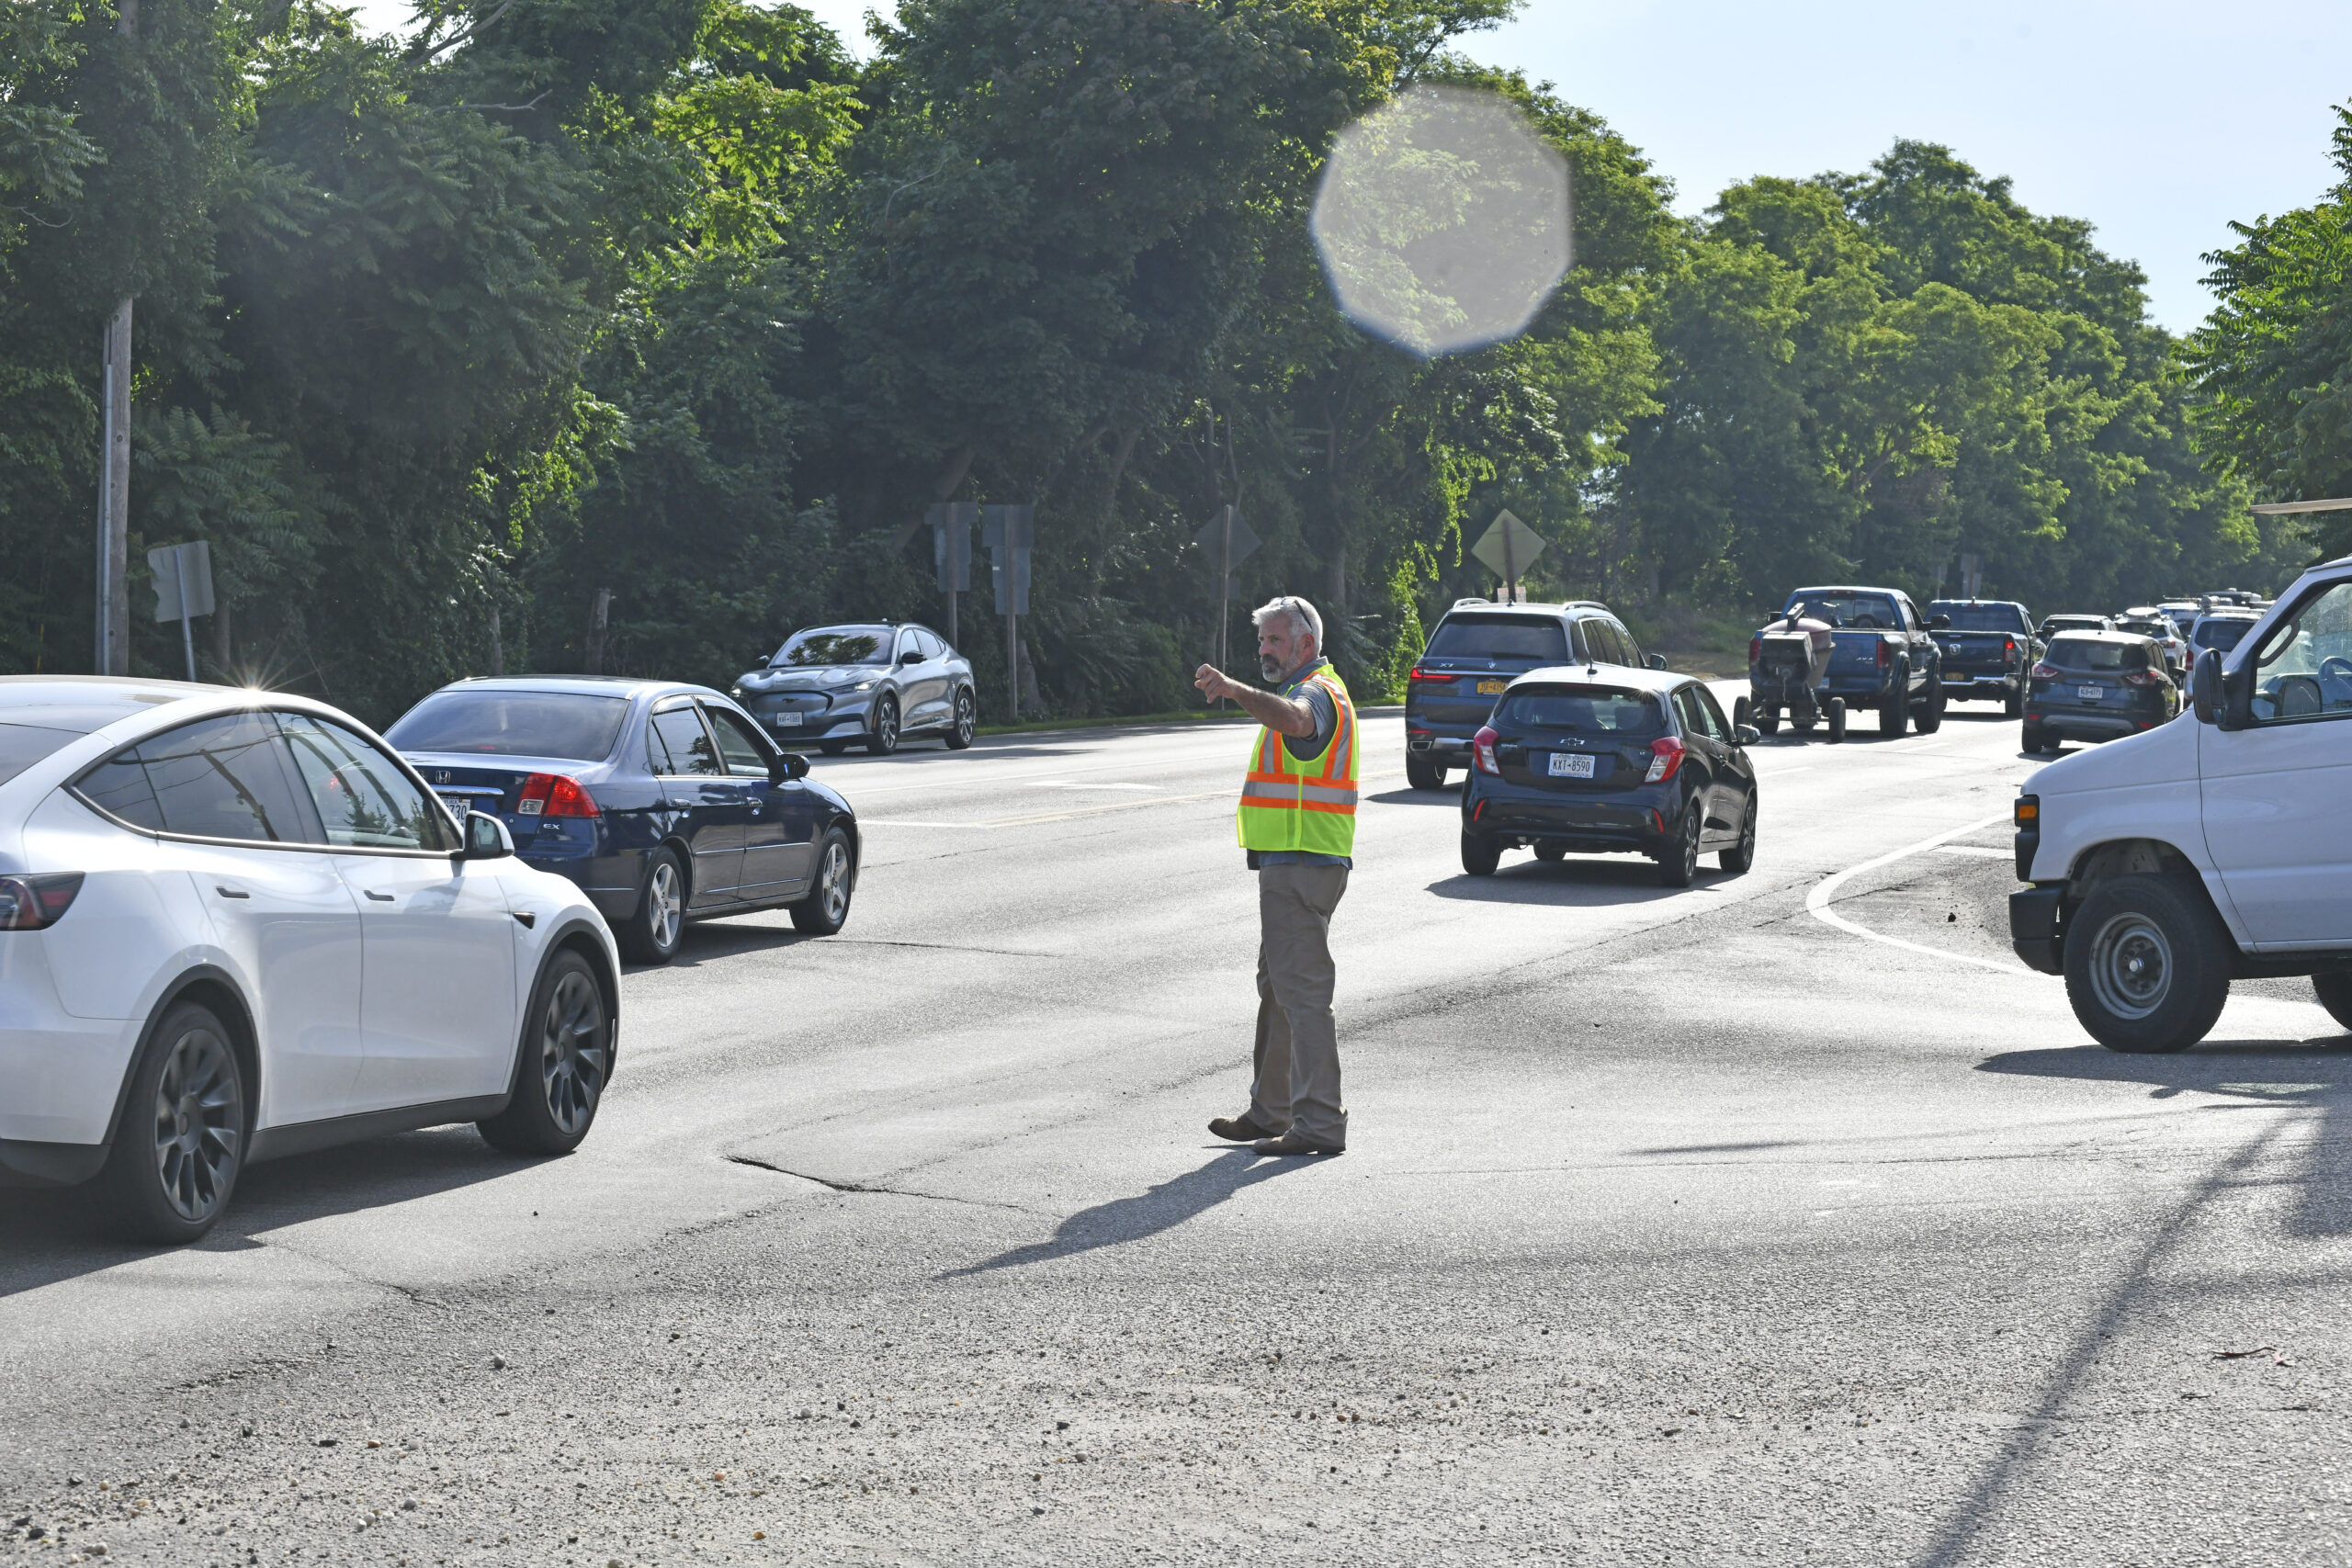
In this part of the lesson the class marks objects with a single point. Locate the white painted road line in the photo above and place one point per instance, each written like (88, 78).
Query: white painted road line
(1817, 902)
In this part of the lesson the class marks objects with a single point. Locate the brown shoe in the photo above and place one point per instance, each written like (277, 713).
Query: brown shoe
(1238, 1130)
(1292, 1144)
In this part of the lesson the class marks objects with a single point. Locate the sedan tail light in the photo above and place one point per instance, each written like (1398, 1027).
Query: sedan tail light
(1482, 750)
(555, 794)
(1417, 673)
(1666, 756)
(30, 903)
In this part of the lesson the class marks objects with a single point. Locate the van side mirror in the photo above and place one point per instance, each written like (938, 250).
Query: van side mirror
(486, 838)
(2218, 700)
(1940, 623)
(786, 767)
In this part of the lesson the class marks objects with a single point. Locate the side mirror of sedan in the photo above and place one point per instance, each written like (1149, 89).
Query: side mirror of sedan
(1749, 734)
(486, 838)
(1654, 661)
(789, 766)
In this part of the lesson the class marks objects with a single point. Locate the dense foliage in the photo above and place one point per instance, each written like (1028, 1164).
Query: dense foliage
(440, 337)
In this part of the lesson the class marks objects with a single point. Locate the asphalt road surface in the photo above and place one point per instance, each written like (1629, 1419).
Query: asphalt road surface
(1780, 1220)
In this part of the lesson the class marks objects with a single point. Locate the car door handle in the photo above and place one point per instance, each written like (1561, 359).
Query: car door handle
(226, 891)
(380, 897)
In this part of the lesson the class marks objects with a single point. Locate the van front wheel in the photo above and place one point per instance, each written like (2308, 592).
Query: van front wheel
(2147, 964)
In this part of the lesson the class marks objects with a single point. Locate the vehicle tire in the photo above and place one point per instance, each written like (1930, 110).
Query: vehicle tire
(1551, 851)
(1680, 860)
(1895, 712)
(1737, 861)
(1802, 725)
(1837, 718)
(2013, 704)
(833, 748)
(2334, 989)
(181, 1143)
(1423, 772)
(565, 1061)
(883, 739)
(826, 908)
(966, 720)
(652, 934)
(1768, 720)
(2147, 964)
(1480, 855)
(1931, 707)
(2037, 740)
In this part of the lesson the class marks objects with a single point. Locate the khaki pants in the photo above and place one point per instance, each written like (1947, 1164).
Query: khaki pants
(1297, 1086)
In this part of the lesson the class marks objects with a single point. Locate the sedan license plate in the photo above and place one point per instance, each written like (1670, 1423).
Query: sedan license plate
(1571, 765)
(788, 721)
(1489, 688)
(2088, 694)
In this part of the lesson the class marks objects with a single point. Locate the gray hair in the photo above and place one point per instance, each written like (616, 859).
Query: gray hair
(1301, 615)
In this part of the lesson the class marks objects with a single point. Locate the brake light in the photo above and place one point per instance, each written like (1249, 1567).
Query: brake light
(555, 794)
(2009, 651)
(30, 903)
(1666, 755)
(1885, 654)
(2143, 678)
(2044, 670)
(1755, 649)
(1417, 673)
(1482, 750)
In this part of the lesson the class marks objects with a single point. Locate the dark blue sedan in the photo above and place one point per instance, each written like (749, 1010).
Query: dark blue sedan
(663, 801)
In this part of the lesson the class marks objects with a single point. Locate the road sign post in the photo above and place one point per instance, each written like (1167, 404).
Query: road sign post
(1009, 533)
(1509, 547)
(1228, 541)
(951, 552)
(183, 589)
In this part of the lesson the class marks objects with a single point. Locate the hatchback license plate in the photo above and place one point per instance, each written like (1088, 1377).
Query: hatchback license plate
(1571, 765)
(1488, 688)
(788, 721)
(2088, 694)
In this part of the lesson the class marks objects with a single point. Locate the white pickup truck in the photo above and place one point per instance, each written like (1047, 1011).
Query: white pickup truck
(2218, 846)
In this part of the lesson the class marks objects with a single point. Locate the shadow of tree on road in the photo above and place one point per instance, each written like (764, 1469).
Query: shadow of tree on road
(1161, 1207)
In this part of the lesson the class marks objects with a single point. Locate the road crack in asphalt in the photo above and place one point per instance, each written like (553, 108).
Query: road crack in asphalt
(758, 1163)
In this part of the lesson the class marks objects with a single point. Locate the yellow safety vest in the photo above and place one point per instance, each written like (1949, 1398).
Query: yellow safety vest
(1307, 805)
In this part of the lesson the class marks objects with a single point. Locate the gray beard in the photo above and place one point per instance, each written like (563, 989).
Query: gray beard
(1271, 671)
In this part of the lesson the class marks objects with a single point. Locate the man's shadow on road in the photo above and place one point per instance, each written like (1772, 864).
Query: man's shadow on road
(1161, 1207)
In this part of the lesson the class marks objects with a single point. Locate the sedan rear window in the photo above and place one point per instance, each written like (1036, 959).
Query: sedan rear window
(1538, 638)
(1603, 711)
(574, 727)
(22, 745)
(2084, 653)
(1980, 618)
(835, 645)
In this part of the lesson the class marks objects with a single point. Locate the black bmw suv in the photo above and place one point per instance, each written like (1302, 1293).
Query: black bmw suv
(1477, 649)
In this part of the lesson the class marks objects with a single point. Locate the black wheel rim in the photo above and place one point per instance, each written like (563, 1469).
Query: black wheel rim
(1748, 831)
(832, 883)
(199, 1124)
(574, 1059)
(1690, 840)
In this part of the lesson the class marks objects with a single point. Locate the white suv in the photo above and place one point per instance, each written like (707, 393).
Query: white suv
(2217, 846)
(234, 925)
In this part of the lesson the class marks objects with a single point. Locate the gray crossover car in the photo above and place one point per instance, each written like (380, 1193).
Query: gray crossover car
(873, 684)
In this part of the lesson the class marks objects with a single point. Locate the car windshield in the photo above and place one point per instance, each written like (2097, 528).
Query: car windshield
(2093, 654)
(1601, 711)
(1979, 617)
(573, 726)
(1851, 612)
(2222, 635)
(22, 745)
(834, 645)
(1538, 638)
(2154, 627)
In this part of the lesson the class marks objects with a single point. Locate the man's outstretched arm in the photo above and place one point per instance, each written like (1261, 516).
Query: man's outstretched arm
(1284, 715)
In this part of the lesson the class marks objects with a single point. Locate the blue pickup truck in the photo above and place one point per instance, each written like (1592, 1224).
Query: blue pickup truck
(1884, 658)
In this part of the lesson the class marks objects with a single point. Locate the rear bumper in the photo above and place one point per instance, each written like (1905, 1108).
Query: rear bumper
(2081, 725)
(613, 883)
(24, 1163)
(1592, 827)
(2035, 929)
(1961, 683)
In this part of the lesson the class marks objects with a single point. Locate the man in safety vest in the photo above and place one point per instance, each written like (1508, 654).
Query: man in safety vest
(1297, 821)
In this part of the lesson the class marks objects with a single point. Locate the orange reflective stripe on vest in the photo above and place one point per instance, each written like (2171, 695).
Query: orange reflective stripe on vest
(1308, 806)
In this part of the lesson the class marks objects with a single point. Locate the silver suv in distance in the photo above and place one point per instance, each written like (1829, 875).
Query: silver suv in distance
(1477, 649)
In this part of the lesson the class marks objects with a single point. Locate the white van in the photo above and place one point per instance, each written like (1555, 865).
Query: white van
(2216, 847)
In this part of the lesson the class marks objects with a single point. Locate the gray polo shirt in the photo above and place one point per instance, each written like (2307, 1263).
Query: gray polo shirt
(1305, 749)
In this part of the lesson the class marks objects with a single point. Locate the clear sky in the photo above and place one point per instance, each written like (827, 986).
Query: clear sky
(2159, 120)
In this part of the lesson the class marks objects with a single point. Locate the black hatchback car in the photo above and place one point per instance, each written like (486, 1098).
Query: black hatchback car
(1476, 650)
(2097, 686)
(1594, 760)
(874, 685)
(663, 801)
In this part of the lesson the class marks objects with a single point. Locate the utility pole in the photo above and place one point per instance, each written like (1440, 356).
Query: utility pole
(596, 625)
(113, 650)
